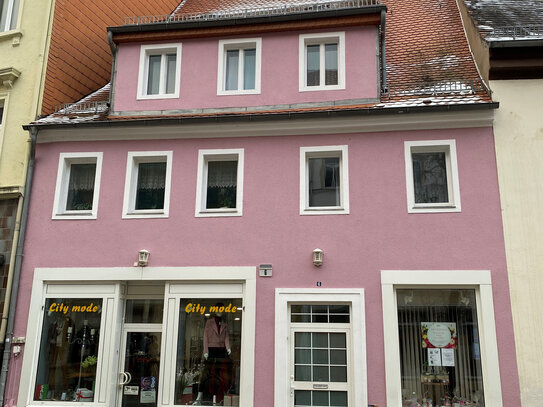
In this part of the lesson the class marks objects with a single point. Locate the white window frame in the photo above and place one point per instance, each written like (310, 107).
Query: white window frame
(284, 297)
(321, 38)
(109, 283)
(340, 151)
(453, 186)
(205, 156)
(480, 281)
(11, 6)
(129, 203)
(65, 162)
(239, 44)
(143, 73)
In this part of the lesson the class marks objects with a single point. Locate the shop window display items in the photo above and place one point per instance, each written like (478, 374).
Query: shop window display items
(439, 348)
(208, 352)
(68, 350)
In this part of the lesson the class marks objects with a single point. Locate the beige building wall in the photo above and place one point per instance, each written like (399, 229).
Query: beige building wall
(518, 131)
(22, 54)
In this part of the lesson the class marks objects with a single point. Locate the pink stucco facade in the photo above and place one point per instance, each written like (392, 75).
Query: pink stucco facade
(378, 234)
(279, 83)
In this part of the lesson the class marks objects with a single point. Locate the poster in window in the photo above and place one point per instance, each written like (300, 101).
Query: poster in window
(434, 357)
(447, 357)
(439, 335)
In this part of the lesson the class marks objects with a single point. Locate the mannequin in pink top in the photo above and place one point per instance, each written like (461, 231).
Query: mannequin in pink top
(215, 377)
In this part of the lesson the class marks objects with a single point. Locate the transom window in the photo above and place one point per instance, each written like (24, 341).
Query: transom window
(239, 66)
(9, 10)
(322, 61)
(78, 184)
(323, 180)
(160, 67)
(432, 176)
(220, 183)
(147, 187)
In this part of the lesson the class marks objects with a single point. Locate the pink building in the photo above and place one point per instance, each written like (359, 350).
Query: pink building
(290, 205)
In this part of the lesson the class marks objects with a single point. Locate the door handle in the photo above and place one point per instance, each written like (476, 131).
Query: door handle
(124, 380)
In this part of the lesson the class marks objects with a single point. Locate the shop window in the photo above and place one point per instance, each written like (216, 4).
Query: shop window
(147, 187)
(324, 185)
(432, 176)
(78, 184)
(220, 183)
(68, 358)
(321, 359)
(439, 347)
(209, 352)
(239, 66)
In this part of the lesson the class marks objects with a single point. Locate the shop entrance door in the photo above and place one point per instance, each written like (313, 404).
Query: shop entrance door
(140, 366)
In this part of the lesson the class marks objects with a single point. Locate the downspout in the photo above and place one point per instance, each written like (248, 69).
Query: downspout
(384, 87)
(17, 267)
(113, 47)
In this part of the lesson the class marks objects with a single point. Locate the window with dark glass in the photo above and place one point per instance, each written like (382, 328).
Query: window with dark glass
(151, 184)
(209, 352)
(430, 177)
(161, 69)
(68, 358)
(324, 181)
(322, 64)
(440, 351)
(240, 69)
(221, 184)
(81, 187)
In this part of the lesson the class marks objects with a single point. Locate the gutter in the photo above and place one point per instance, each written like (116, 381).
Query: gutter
(17, 267)
(518, 43)
(113, 47)
(384, 88)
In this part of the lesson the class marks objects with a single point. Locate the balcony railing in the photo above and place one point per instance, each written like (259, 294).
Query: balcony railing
(516, 32)
(236, 13)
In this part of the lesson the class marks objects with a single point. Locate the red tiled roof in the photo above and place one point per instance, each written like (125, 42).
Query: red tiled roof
(79, 60)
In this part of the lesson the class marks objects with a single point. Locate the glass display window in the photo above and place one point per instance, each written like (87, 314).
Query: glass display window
(68, 356)
(440, 353)
(208, 360)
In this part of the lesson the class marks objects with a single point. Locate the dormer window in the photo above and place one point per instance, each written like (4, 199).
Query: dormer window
(239, 66)
(159, 72)
(322, 61)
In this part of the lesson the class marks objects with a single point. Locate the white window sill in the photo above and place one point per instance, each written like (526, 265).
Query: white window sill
(321, 88)
(81, 215)
(239, 92)
(438, 208)
(324, 210)
(159, 96)
(145, 214)
(209, 213)
(15, 34)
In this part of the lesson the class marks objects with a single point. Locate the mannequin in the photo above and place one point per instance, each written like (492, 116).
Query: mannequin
(214, 378)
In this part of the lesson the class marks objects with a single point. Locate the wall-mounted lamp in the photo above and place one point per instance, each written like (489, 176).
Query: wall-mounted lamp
(143, 258)
(318, 254)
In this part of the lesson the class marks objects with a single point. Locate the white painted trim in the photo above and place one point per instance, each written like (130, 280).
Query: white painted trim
(158, 49)
(480, 280)
(340, 151)
(284, 296)
(129, 201)
(449, 148)
(65, 162)
(280, 126)
(314, 39)
(239, 44)
(204, 156)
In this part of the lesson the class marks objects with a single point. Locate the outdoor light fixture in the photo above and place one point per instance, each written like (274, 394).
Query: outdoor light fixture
(318, 254)
(143, 258)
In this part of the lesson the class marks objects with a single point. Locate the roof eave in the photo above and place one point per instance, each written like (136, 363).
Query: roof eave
(517, 43)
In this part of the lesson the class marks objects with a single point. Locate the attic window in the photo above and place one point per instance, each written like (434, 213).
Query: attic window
(159, 71)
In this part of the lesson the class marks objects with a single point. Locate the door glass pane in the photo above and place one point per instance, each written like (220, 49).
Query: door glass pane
(221, 184)
(144, 311)
(81, 187)
(308, 398)
(439, 345)
(314, 359)
(209, 352)
(430, 177)
(153, 79)
(324, 180)
(69, 350)
(249, 68)
(232, 62)
(330, 62)
(151, 186)
(171, 62)
(142, 364)
(313, 65)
